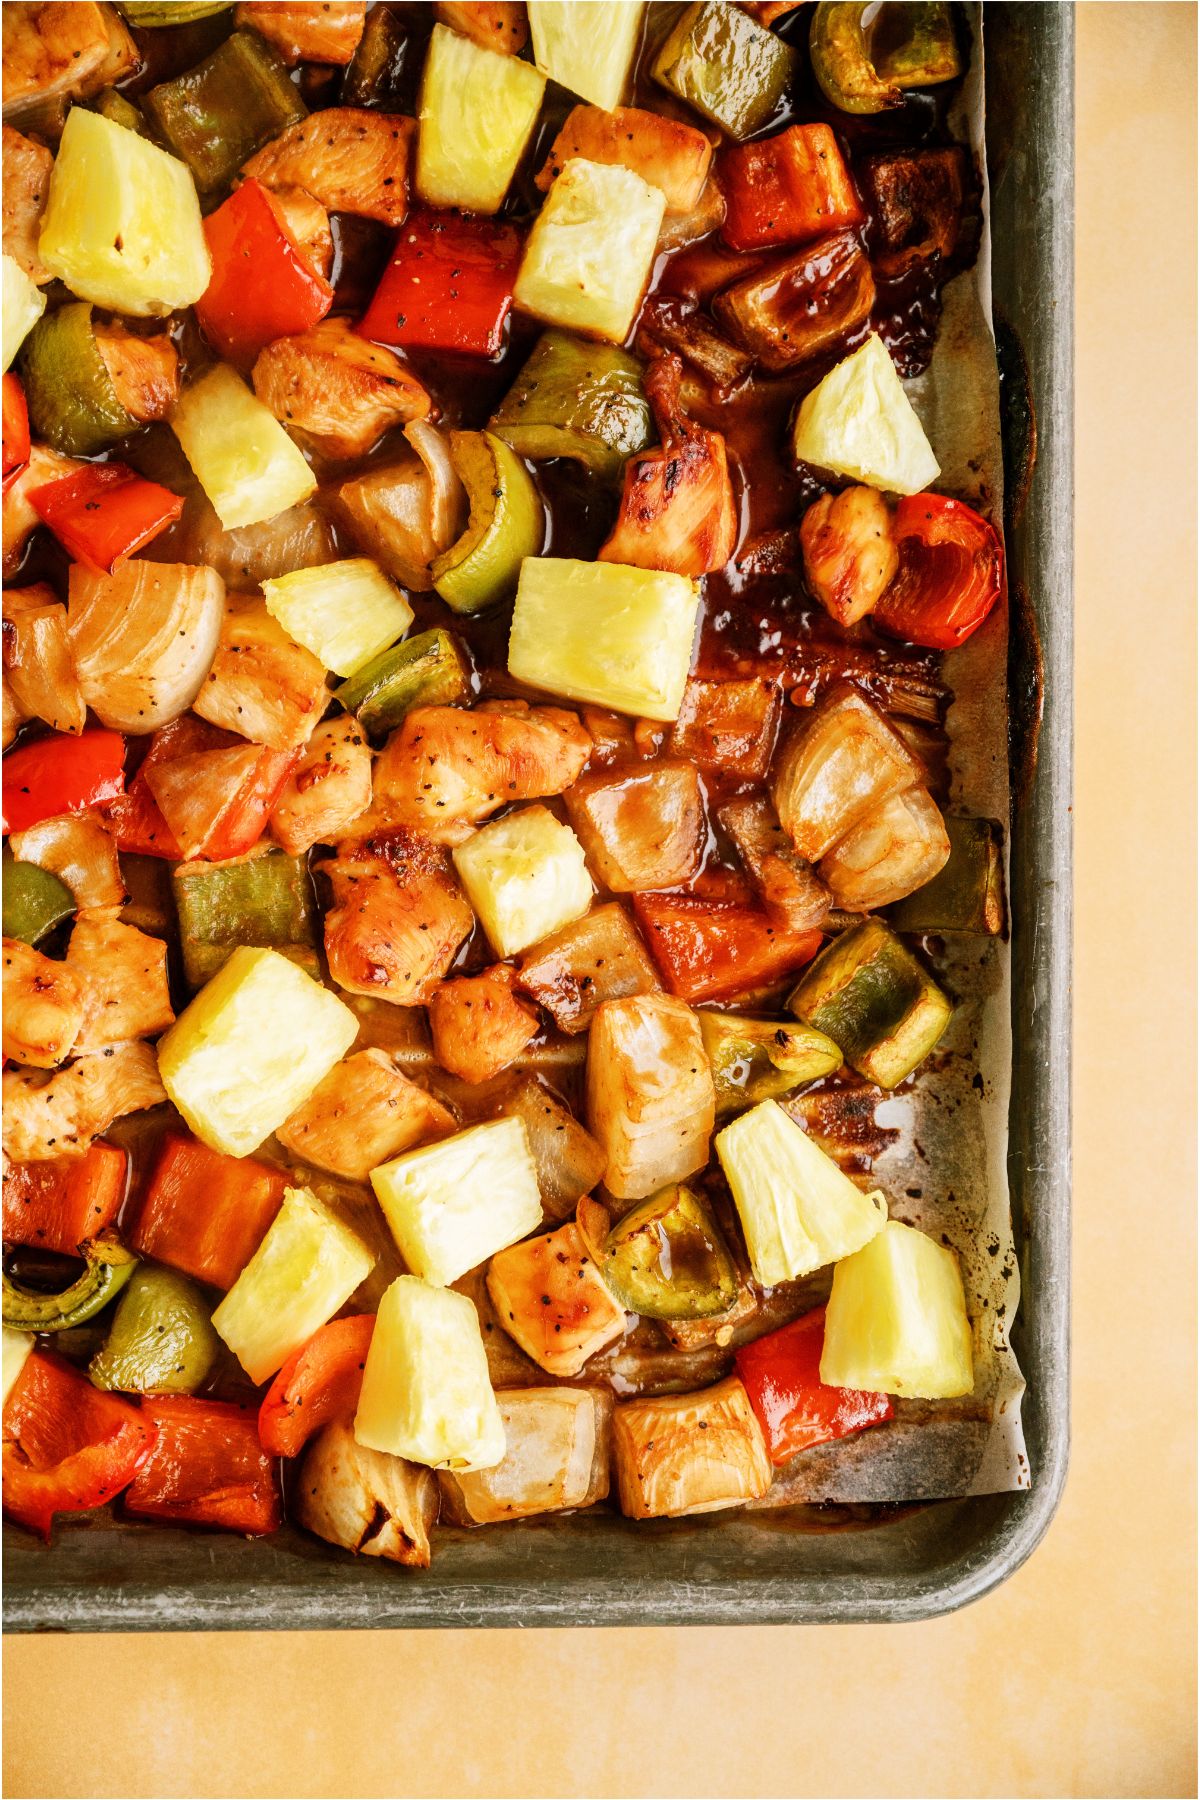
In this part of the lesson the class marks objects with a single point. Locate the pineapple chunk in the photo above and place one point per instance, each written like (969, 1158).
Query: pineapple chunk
(798, 1211)
(587, 49)
(897, 1321)
(689, 1453)
(551, 1298)
(476, 112)
(859, 423)
(591, 249)
(241, 456)
(557, 1458)
(525, 875)
(251, 1046)
(23, 306)
(452, 1205)
(17, 1345)
(617, 636)
(344, 612)
(122, 223)
(305, 1270)
(426, 1393)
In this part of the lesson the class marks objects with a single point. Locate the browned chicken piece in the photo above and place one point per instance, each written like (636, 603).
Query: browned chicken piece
(445, 769)
(689, 1453)
(729, 726)
(38, 663)
(60, 1117)
(550, 1296)
(405, 514)
(144, 371)
(669, 323)
(61, 51)
(333, 389)
(124, 976)
(766, 12)
(79, 849)
(479, 1025)
(496, 24)
(307, 224)
(597, 958)
(326, 31)
(677, 511)
(329, 790)
(397, 920)
(27, 168)
(671, 156)
(786, 882)
(261, 684)
(803, 304)
(642, 827)
(850, 555)
(350, 159)
(366, 1500)
(20, 519)
(44, 1007)
(915, 199)
(363, 1113)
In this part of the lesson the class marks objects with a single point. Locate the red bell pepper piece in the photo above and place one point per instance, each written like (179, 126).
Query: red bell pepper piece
(244, 818)
(59, 1205)
(712, 950)
(239, 817)
(950, 575)
(61, 774)
(102, 514)
(322, 1381)
(16, 430)
(207, 1467)
(448, 286)
(786, 189)
(262, 288)
(135, 820)
(781, 1374)
(67, 1446)
(206, 1213)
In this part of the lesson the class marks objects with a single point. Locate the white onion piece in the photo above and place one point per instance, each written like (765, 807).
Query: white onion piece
(143, 639)
(37, 658)
(650, 1098)
(897, 848)
(78, 849)
(836, 770)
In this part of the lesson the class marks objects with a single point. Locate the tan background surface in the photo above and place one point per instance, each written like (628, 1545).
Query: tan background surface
(1087, 1654)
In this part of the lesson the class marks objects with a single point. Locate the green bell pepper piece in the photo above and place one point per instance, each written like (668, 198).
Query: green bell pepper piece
(579, 400)
(868, 992)
(763, 1059)
(730, 68)
(218, 114)
(265, 901)
(150, 13)
(150, 903)
(865, 70)
(507, 524)
(109, 1266)
(967, 894)
(35, 901)
(373, 75)
(72, 402)
(426, 670)
(161, 1340)
(667, 1259)
(121, 111)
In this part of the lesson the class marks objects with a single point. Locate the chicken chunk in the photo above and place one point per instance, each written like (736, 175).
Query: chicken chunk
(597, 958)
(444, 769)
(27, 168)
(479, 1025)
(366, 1500)
(788, 885)
(328, 791)
(261, 684)
(306, 222)
(333, 389)
(37, 658)
(350, 159)
(61, 50)
(850, 555)
(550, 1296)
(689, 1453)
(20, 519)
(499, 25)
(397, 920)
(325, 31)
(362, 1114)
(44, 1006)
(669, 155)
(144, 371)
(60, 1117)
(124, 976)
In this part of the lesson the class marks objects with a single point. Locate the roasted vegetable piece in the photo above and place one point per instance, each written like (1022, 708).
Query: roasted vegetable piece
(219, 113)
(242, 457)
(55, 53)
(16, 430)
(38, 665)
(35, 901)
(320, 1382)
(763, 1059)
(642, 827)
(262, 684)
(215, 801)
(108, 1267)
(451, 1205)
(345, 612)
(897, 1319)
(717, 59)
(588, 52)
(664, 152)
(407, 513)
(46, 1120)
(968, 892)
(105, 514)
(868, 992)
(916, 200)
(837, 769)
(689, 1453)
(45, 1004)
(213, 1237)
(397, 919)
(850, 554)
(206, 1468)
(448, 286)
(60, 1205)
(789, 888)
(568, 1159)
(121, 111)
(862, 75)
(327, 791)
(650, 1101)
(526, 876)
(23, 306)
(426, 1393)
(349, 159)
(801, 305)
(550, 1297)
(262, 286)
(476, 116)
(264, 901)
(124, 976)
(27, 167)
(951, 573)
(858, 423)
(729, 726)
(556, 1459)
(590, 252)
(578, 400)
(718, 949)
(72, 402)
(899, 846)
(59, 774)
(143, 639)
(479, 1024)
(364, 1112)
(366, 1500)
(336, 392)
(160, 1340)
(426, 670)
(667, 1259)
(781, 1376)
(787, 189)
(507, 524)
(67, 1447)
(597, 958)
(150, 14)
(79, 849)
(375, 75)
(306, 32)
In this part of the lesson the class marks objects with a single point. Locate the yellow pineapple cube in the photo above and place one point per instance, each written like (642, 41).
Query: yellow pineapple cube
(525, 875)
(591, 250)
(426, 1394)
(860, 423)
(240, 454)
(452, 1204)
(896, 1322)
(586, 48)
(476, 111)
(344, 612)
(23, 305)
